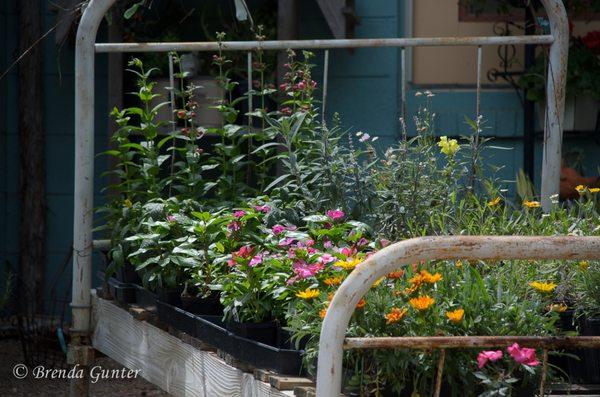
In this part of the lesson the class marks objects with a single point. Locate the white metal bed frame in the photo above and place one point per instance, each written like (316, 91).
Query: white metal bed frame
(333, 331)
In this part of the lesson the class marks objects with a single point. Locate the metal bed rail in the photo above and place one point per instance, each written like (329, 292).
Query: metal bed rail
(333, 339)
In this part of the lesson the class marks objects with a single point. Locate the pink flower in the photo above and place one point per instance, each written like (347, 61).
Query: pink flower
(346, 251)
(335, 215)
(234, 226)
(302, 270)
(310, 242)
(262, 208)
(523, 355)
(362, 242)
(239, 214)
(257, 259)
(286, 242)
(245, 252)
(364, 137)
(301, 85)
(231, 262)
(277, 229)
(326, 258)
(488, 355)
(384, 243)
(171, 218)
(327, 244)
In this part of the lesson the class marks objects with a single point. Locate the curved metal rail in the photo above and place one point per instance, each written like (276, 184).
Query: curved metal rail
(333, 332)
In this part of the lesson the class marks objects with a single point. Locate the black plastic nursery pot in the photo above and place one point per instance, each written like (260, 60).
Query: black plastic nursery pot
(124, 293)
(586, 369)
(591, 357)
(212, 330)
(210, 305)
(260, 332)
(171, 296)
(144, 298)
(127, 274)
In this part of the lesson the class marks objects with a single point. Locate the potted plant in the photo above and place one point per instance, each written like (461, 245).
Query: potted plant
(583, 83)
(588, 290)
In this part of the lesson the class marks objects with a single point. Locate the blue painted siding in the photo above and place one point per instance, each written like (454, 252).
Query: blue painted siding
(58, 108)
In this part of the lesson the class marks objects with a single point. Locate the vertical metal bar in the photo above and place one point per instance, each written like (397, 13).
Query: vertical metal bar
(172, 98)
(325, 86)
(249, 89)
(440, 371)
(555, 100)
(529, 106)
(544, 371)
(478, 108)
(83, 191)
(403, 83)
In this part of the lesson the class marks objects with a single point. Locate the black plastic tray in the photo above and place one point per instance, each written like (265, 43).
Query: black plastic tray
(124, 293)
(144, 298)
(210, 329)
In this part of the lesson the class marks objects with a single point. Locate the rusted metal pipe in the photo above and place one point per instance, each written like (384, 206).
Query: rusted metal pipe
(323, 44)
(555, 100)
(398, 255)
(463, 342)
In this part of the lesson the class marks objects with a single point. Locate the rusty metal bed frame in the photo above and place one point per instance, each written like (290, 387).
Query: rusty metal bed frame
(332, 340)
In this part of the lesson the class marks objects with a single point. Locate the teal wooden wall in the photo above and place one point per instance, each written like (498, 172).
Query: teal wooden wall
(58, 108)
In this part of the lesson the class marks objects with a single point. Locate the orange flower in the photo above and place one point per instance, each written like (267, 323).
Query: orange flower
(333, 281)
(395, 275)
(430, 278)
(323, 313)
(422, 302)
(455, 316)
(361, 303)
(395, 315)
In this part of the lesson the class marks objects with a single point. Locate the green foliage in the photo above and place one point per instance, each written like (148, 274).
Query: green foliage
(185, 217)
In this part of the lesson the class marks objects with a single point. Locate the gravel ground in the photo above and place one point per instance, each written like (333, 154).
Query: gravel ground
(11, 355)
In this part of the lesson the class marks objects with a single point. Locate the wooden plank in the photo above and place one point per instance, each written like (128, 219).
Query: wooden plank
(167, 361)
(282, 382)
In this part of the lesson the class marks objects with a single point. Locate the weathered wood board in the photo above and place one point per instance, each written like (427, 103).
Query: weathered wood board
(166, 361)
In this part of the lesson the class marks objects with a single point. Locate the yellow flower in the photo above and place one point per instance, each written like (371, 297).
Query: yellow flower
(583, 265)
(395, 315)
(308, 294)
(542, 286)
(448, 146)
(494, 202)
(348, 264)
(422, 302)
(458, 264)
(557, 307)
(127, 203)
(377, 282)
(455, 316)
(594, 189)
(532, 204)
(580, 189)
(333, 281)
